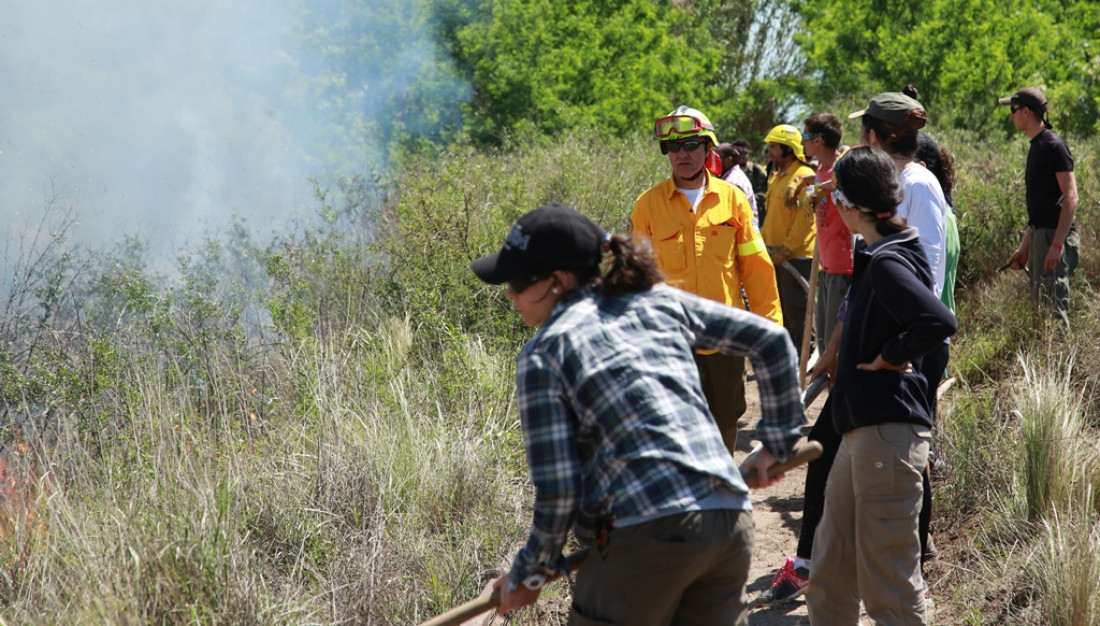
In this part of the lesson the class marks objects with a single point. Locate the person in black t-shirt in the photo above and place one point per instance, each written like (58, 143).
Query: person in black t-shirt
(1050, 245)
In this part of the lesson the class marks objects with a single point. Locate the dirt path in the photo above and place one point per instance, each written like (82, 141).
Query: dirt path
(777, 512)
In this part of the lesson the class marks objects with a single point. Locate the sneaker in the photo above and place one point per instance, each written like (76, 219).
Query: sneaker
(787, 584)
(929, 551)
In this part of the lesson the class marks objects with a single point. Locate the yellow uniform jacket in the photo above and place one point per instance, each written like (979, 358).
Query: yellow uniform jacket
(713, 252)
(789, 222)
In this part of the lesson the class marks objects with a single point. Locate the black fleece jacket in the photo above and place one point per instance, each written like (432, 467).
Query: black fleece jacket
(893, 311)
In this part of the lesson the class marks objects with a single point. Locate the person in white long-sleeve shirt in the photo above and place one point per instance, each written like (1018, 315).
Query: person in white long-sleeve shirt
(891, 122)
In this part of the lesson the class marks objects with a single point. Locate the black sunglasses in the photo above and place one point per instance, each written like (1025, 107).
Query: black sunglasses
(519, 285)
(674, 146)
(1015, 107)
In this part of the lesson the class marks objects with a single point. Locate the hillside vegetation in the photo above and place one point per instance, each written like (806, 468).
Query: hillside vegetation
(322, 428)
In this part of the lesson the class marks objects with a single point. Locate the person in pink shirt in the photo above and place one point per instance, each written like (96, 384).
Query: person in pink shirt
(821, 140)
(821, 135)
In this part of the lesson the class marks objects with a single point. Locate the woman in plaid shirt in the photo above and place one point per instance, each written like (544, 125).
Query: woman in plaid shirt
(619, 441)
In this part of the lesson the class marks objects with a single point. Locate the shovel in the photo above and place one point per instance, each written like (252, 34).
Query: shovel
(483, 603)
(803, 452)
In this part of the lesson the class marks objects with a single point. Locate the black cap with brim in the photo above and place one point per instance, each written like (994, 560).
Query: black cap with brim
(500, 267)
(551, 237)
(1030, 97)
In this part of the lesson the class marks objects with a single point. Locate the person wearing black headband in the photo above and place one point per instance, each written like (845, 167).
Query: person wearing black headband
(1049, 248)
(619, 440)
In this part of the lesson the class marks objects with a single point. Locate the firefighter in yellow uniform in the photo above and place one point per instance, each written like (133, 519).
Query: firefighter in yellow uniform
(702, 233)
(789, 228)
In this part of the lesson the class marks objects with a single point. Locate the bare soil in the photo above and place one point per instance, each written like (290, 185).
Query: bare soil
(777, 512)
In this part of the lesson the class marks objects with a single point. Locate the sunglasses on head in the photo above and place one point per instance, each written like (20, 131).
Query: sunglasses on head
(679, 124)
(519, 285)
(676, 146)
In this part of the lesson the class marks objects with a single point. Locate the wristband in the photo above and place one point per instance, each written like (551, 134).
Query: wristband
(535, 581)
(1056, 246)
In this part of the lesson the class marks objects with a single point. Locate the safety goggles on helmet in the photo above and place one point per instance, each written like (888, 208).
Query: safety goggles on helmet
(678, 125)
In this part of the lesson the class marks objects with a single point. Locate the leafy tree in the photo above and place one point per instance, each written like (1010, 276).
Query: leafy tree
(400, 77)
(760, 76)
(381, 77)
(548, 65)
(962, 54)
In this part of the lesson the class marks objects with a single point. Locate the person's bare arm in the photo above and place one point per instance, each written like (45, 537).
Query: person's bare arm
(1018, 259)
(1068, 185)
(826, 364)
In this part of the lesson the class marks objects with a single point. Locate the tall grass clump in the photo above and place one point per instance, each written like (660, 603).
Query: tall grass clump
(464, 208)
(995, 319)
(407, 500)
(1061, 469)
(978, 455)
(142, 532)
(1066, 568)
(1023, 471)
(387, 503)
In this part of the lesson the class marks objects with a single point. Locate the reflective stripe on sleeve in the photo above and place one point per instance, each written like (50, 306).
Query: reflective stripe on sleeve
(756, 246)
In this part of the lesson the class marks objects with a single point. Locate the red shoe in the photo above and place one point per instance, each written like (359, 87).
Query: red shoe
(787, 584)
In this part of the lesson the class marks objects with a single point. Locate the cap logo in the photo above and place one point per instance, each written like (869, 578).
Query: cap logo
(516, 239)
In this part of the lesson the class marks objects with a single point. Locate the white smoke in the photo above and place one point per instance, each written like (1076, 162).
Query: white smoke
(160, 119)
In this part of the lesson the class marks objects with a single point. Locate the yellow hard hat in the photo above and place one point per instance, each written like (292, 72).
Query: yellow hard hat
(787, 135)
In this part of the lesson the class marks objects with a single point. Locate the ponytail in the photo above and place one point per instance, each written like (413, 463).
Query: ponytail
(631, 269)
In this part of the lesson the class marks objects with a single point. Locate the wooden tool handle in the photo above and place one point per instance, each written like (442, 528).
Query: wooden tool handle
(804, 451)
(466, 611)
(483, 603)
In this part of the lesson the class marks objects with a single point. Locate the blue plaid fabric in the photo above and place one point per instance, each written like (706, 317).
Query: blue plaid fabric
(614, 421)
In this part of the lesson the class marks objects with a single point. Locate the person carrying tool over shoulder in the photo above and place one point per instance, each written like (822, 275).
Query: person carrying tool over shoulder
(789, 230)
(704, 241)
(620, 444)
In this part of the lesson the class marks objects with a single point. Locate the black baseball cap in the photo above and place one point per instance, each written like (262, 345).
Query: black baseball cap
(1030, 97)
(551, 237)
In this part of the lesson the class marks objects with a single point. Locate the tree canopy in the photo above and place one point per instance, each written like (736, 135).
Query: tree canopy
(422, 73)
(961, 54)
(548, 64)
